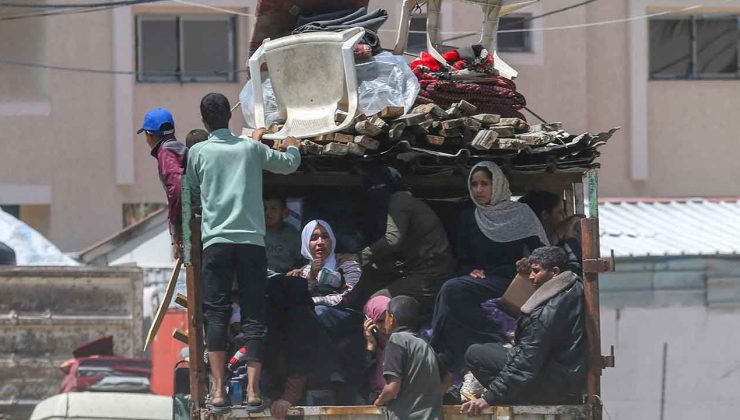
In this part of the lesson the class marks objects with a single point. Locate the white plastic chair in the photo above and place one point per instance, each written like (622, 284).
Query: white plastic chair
(492, 10)
(311, 74)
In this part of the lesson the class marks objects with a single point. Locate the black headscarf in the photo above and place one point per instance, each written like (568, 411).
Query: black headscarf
(379, 185)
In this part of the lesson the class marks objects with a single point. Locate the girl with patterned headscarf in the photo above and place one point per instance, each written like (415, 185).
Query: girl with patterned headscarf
(492, 235)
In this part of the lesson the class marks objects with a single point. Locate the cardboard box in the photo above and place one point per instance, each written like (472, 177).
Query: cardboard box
(518, 292)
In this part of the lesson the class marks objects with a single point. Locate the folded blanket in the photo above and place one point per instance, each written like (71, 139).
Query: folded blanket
(346, 19)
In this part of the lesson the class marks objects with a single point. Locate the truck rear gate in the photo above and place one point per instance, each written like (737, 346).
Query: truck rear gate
(579, 186)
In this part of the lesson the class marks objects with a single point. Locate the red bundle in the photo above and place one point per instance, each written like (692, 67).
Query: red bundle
(496, 95)
(492, 94)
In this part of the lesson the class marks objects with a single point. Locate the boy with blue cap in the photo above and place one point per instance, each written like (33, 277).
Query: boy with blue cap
(171, 156)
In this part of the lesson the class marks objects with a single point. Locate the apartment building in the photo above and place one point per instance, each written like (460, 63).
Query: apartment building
(72, 166)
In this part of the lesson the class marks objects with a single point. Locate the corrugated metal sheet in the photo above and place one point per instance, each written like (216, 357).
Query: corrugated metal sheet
(638, 228)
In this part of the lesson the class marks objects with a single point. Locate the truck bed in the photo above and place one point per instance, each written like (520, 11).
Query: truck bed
(527, 412)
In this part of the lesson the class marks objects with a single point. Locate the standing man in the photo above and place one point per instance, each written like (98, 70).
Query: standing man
(171, 155)
(225, 177)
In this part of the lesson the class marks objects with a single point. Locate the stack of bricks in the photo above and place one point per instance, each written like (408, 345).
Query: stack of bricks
(430, 127)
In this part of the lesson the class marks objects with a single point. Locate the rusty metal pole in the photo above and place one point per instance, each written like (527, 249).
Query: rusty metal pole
(192, 252)
(591, 253)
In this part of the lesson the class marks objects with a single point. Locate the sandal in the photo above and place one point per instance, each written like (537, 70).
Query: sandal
(223, 408)
(256, 404)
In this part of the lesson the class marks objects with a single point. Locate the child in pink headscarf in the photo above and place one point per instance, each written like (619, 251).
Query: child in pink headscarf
(375, 339)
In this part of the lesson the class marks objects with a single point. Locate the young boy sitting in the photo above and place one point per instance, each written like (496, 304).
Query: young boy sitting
(282, 241)
(412, 375)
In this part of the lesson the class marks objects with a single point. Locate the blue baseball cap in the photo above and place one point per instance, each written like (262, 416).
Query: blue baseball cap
(153, 121)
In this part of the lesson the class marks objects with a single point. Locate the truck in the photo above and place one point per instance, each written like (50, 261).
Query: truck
(578, 185)
(433, 148)
(47, 311)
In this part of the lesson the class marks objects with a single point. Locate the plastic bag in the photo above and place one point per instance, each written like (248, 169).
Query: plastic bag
(385, 80)
(31, 248)
(246, 98)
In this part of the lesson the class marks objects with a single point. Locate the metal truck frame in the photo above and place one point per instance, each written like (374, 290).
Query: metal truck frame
(580, 189)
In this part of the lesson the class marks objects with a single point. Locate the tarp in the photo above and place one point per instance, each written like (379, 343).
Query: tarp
(31, 248)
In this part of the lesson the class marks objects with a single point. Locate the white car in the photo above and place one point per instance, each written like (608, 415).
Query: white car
(104, 405)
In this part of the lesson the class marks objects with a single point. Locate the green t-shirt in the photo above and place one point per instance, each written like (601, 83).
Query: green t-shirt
(225, 178)
(283, 248)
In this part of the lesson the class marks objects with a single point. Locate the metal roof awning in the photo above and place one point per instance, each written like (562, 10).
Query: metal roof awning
(670, 227)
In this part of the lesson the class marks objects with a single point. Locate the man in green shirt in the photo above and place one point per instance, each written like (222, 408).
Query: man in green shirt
(410, 254)
(225, 176)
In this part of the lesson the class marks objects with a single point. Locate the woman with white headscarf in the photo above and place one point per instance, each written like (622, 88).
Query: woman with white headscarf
(492, 235)
(330, 278)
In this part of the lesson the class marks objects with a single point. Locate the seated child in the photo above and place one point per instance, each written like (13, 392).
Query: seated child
(195, 136)
(282, 241)
(375, 341)
(413, 388)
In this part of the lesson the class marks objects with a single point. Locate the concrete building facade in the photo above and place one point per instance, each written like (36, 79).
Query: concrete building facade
(70, 159)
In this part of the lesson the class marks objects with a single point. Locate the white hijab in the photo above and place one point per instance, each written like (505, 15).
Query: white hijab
(331, 260)
(504, 220)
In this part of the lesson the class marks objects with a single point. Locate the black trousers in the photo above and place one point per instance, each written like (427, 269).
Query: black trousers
(485, 361)
(376, 282)
(221, 263)
(459, 321)
(296, 332)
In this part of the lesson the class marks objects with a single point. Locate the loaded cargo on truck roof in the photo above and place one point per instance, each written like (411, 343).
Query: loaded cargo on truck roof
(464, 112)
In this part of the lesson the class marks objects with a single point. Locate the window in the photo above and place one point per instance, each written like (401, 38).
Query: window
(507, 41)
(37, 216)
(12, 210)
(514, 41)
(417, 41)
(185, 48)
(694, 47)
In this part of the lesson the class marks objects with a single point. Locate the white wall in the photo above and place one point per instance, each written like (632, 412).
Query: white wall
(702, 364)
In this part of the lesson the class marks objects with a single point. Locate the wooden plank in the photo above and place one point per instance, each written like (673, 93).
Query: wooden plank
(367, 142)
(447, 186)
(198, 374)
(523, 412)
(391, 112)
(484, 140)
(487, 118)
(591, 251)
(312, 148)
(181, 300)
(355, 149)
(336, 149)
(344, 138)
(164, 304)
(467, 108)
(180, 335)
(367, 128)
